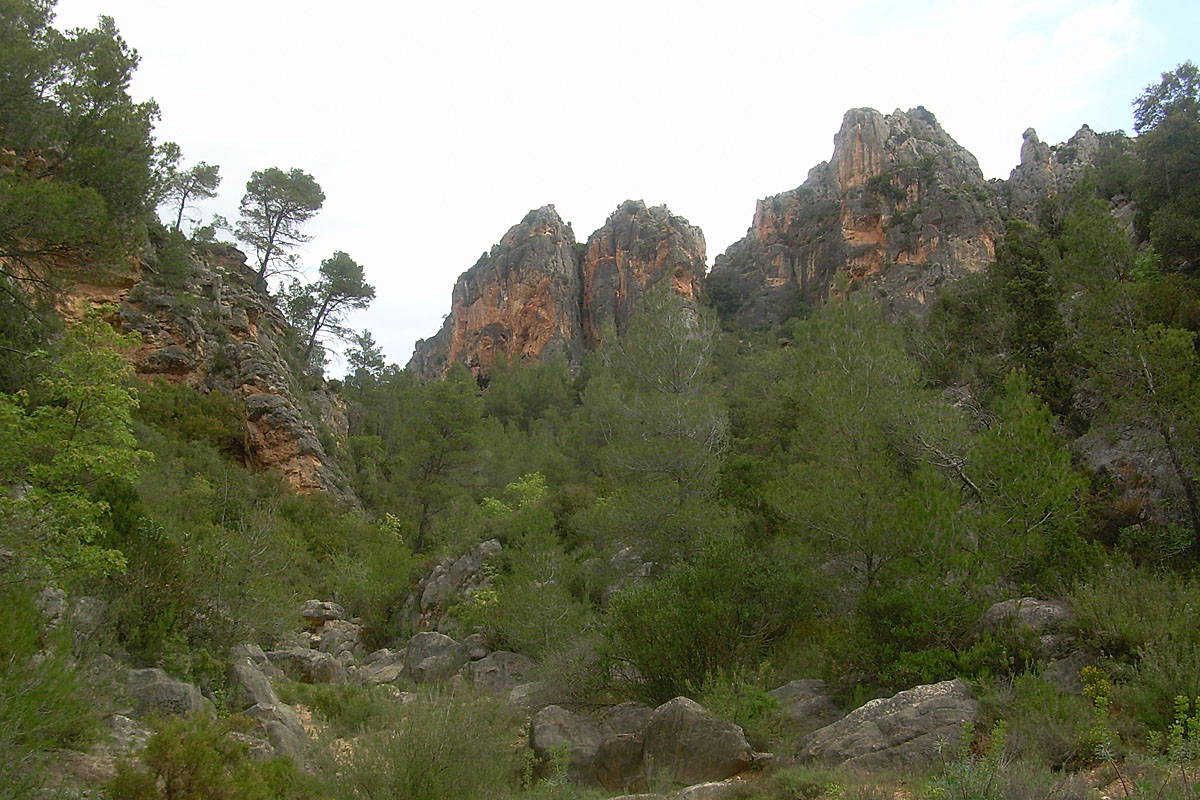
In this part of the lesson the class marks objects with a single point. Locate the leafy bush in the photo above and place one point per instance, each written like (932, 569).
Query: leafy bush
(195, 758)
(721, 610)
(431, 748)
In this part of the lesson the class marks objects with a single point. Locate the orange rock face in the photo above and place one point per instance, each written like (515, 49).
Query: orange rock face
(900, 205)
(538, 294)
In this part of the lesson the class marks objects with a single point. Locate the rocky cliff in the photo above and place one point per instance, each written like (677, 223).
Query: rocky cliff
(539, 294)
(900, 205)
(1046, 171)
(210, 328)
(637, 248)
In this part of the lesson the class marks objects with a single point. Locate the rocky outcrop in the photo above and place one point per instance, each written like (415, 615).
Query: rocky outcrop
(452, 580)
(1046, 171)
(806, 705)
(155, 692)
(519, 302)
(683, 741)
(208, 326)
(538, 294)
(900, 205)
(900, 732)
(637, 249)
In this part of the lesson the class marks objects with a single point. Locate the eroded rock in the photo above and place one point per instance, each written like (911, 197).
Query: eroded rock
(686, 743)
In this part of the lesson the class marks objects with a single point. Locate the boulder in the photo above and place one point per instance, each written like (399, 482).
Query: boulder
(382, 666)
(618, 762)
(1045, 619)
(257, 657)
(903, 731)
(501, 671)
(477, 646)
(155, 692)
(308, 666)
(283, 729)
(806, 705)
(452, 578)
(717, 790)
(339, 636)
(433, 657)
(687, 744)
(528, 697)
(316, 613)
(554, 728)
(248, 686)
(627, 717)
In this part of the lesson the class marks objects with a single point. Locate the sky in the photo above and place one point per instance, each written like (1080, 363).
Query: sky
(435, 126)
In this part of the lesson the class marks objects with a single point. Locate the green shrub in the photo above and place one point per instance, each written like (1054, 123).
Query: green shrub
(42, 703)
(195, 758)
(432, 748)
(347, 710)
(733, 697)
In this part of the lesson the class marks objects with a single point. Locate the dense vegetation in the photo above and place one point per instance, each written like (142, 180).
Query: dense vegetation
(839, 497)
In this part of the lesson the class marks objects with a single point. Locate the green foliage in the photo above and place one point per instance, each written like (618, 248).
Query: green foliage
(215, 418)
(274, 207)
(742, 700)
(1031, 495)
(719, 610)
(73, 431)
(321, 306)
(42, 703)
(432, 748)
(1177, 93)
(1146, 624)
(195, 758)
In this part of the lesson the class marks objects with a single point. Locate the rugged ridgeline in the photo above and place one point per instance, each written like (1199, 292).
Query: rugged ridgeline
(900, 207)
(539, 294)
(217, 332)
(900, 203)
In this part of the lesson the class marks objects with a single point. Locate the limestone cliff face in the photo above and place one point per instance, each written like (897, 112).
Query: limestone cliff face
(216, 332)
(519, 302)
(538, 294)
(1047, 170)
(638, 248)
(899, 205)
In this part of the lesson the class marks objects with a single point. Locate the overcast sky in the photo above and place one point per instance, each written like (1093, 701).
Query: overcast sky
(435, 126)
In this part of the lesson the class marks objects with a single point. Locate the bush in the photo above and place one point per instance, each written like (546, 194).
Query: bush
(433, 748)
(733, 697)
(722, 610)
(42, 705)
(195, 758)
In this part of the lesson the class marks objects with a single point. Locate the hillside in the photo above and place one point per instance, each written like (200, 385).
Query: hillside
(898, 500)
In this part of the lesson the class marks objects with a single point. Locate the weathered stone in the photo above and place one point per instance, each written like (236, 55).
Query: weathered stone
(155, 692)
(452, 578)
(1047, 171)
(248, 686)
(686, 743)
(628, 717)
(529, 697)
(903, 731)
(500, 671)
(433, 657)
(383, 666)
(308, 666)
(806, 705)
(316, 613)
(554, 727)
(1063, 673)
(900, 206)
(732, 789)
(477, 646)
(618, 762)
(637, 249)
(283, 729)
(1041, 618)
(339, 636)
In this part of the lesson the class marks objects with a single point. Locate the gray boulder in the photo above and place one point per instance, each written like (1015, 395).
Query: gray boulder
(554, 728)
(316, 613)
(1045, 619)
(687, 744)
(155, 692)
(501, 671)
(339, 636)
(248, 686)
(452, 578)
(627, 717)
(433, 657)
(382, 666)
(806, 705)
(618, 762)
(903, 731)
(308, 666)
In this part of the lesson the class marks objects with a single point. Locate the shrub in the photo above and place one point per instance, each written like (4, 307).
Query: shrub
(432, 748)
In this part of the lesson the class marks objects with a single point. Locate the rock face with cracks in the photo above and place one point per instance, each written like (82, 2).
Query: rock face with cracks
(539, 294)
(900, 205)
